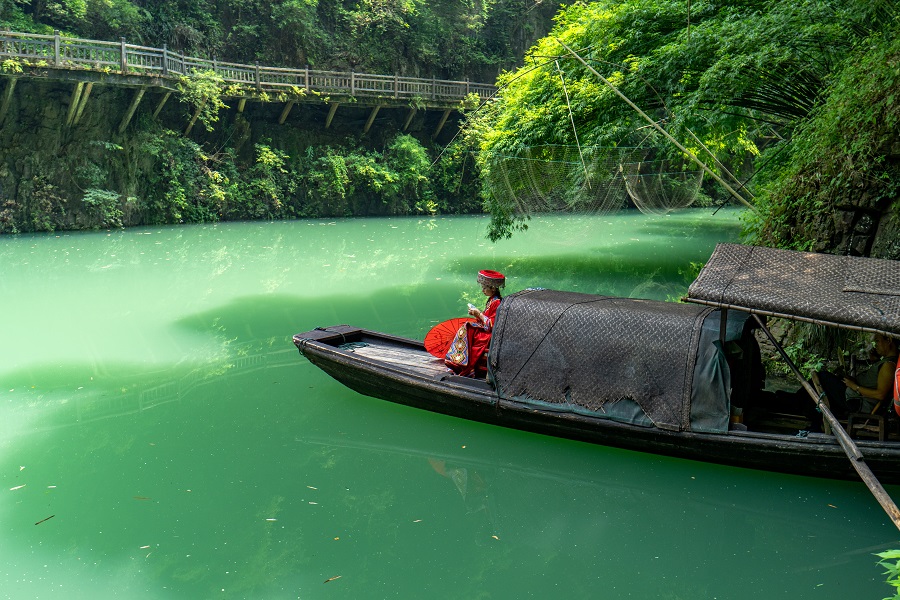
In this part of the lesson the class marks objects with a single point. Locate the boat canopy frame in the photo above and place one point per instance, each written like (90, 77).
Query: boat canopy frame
(850, 292)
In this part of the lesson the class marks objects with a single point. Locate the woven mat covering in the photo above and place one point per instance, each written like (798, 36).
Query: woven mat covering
(848, 291)
(585, 351)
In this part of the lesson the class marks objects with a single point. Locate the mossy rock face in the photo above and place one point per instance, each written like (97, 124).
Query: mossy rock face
(887, 241)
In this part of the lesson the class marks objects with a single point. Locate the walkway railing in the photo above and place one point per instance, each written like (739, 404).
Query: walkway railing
(119, 57)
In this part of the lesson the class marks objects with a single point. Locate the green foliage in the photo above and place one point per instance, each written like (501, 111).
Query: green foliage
(840, 156)
(203, 90)
(43, 209)
(11, 66)
(104, 209)
(890, 560)
(726, 79)
(113, 19)
(270, 184)
(183, 184)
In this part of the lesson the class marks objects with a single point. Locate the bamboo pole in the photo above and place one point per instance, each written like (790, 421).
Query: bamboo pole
(656, 126)
(847, 444)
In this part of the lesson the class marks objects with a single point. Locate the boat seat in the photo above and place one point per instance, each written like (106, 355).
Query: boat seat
(867, 425)
(879, 422)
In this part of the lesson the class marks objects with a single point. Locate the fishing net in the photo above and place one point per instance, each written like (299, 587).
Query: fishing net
(589, 179)
(657, 189)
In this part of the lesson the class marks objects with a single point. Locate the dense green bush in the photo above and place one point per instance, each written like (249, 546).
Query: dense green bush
(787, 96)
(175, 180)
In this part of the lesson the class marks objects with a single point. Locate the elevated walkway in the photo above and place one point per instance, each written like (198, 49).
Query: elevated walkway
(86, 63)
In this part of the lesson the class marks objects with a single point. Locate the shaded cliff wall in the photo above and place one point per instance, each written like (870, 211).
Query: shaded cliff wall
(56, 174)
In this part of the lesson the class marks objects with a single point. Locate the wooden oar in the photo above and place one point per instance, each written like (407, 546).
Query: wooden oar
(848, 445)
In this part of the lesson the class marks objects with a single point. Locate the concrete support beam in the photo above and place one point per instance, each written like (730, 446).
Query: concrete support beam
(133, 107)
(241, 104)
(409, 118)
(286, 112)
(7, 97)
(73, 102)
(194, 118)
(162, 103)
(331, 110)
(441, 124)
(85, 94)
(371, 118)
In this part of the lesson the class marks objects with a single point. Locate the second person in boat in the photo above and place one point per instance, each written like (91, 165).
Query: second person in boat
(467, 354)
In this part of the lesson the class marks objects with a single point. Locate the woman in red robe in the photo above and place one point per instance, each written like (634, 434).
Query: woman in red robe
(467, 355)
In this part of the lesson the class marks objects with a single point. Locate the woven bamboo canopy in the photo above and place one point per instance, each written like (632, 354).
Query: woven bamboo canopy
(851, 292)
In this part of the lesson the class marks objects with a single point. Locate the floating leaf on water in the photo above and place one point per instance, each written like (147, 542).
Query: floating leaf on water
(142, 498)
(417, 521)
(312, 488)
(144, 547)
(271, 519)
(832, 506)
(495, 537)
(332, 578)
(47, 519)
(313, 502)
(18, 487)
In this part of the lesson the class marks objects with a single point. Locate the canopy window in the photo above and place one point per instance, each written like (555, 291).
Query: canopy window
(842, 291)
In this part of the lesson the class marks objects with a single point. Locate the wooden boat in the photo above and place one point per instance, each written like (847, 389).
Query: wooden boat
(645, 375)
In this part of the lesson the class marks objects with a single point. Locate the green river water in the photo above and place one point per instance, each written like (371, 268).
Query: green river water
(161, 437)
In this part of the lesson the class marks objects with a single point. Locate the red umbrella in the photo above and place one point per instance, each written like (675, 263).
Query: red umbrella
(437, 341)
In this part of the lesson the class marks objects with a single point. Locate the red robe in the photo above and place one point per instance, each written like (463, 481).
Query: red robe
(467, 355)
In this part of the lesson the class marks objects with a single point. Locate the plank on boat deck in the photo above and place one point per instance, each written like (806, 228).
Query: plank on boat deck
(402, 356)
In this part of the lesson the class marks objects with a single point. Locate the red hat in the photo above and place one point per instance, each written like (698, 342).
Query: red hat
(493, 279)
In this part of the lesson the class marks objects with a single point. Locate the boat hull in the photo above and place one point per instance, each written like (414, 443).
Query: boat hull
(441, 392)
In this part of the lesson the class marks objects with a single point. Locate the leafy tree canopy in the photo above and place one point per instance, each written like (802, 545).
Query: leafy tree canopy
(732, 80)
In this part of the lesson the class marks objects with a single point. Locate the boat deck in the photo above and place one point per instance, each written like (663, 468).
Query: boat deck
(397, 355)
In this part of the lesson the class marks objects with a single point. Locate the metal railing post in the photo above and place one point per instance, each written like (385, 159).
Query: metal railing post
(352, 83)
(258, 81)
(56, 48)
(433, 89)
(123, 59)
(165, 60)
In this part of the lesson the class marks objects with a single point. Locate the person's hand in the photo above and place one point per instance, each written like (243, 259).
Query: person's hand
(850, 383)
(475, 313)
